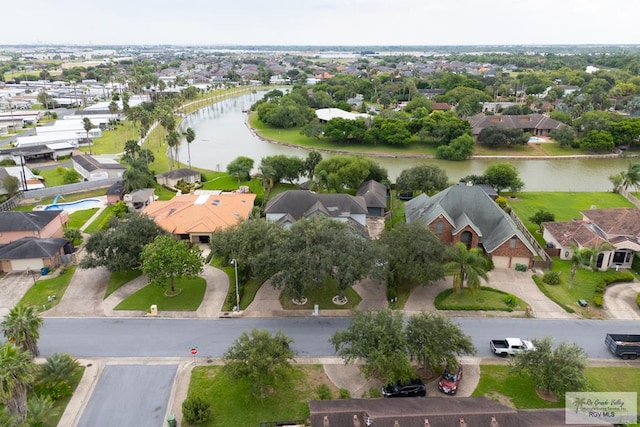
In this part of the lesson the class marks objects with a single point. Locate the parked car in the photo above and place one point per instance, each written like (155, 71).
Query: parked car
(411, 388)
(510, 346)
(450, 379)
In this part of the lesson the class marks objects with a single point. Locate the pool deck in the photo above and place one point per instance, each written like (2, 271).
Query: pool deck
(70, 208)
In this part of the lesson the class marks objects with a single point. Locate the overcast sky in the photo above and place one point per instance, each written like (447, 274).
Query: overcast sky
(321, 22)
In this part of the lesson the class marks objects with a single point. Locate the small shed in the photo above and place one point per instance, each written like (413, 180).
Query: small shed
(114, 193)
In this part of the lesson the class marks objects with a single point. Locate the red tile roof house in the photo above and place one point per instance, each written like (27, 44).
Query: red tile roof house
(619, 227)
(195, 217)
(467, 214)
(40, 224)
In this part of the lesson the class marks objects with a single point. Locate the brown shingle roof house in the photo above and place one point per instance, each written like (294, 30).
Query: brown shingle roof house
(535, 124)
(620, 227)
(195, 217)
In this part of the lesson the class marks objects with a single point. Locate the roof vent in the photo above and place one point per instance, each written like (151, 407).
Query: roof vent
(215, 202)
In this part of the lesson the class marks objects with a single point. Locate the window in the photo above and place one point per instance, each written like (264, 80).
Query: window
(439, 227)
(465, 238)
(512, 243)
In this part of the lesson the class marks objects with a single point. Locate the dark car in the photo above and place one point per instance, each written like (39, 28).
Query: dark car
(450, 379)
(411, 388)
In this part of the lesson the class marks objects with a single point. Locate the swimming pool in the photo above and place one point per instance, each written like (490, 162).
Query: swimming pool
(536, 139)
(74, 206)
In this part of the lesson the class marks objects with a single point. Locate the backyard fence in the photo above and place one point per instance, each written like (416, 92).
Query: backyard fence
(77, 187)
(546, 259)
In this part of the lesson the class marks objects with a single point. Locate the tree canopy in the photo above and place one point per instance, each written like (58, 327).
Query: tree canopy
(240, 168)
(556, 370)
(166, 258)
(261, 359)
(502, 176)
(348, 172)
(119, 247)
(425, 178)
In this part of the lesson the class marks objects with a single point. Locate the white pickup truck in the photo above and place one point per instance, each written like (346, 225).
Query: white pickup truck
(510, 346)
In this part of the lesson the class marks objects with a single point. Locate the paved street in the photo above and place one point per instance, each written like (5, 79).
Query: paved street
(112, 337)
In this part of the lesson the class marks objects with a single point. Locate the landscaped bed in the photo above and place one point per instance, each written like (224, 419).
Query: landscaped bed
(323, 297)
(189, 299)
(484, 298)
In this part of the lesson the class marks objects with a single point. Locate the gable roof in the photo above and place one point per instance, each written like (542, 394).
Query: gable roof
(31, 247)
(579, 232)
(465, 206)
(26, 221)
(526, 121)
(179, 173)
(200, 213)
(302, 203)
(374, 193)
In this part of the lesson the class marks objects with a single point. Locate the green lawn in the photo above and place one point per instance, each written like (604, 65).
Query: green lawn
(517, 150)
(119, 278)
(188, 300)
(584, 285)
(38, 293)
(483, 299)
(112, 141)
(52, 177)
(554, 149)
(223, 181)
(565, 206)
(78, 218)
(101, 221)
(498, 383)
(163, 193)
(232, 403)
(247, 289)
(322, 295)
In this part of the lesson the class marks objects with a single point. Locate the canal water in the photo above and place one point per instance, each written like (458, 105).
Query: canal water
(222, 135)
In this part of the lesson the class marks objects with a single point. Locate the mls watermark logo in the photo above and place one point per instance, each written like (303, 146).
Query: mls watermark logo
(600, 408)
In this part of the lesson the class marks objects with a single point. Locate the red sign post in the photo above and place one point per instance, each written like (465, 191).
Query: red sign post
(194, 352)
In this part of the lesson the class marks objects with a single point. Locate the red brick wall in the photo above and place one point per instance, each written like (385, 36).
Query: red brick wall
(519, 251)
(447, 229)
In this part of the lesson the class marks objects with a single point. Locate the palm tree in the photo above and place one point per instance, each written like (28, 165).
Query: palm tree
(173, 140)
(631, 178)
(597, 250)
(86, 122)
(16, 377)
(22, 328)
(58, 368)
(189, 135)
(468, 265)
(578, 257)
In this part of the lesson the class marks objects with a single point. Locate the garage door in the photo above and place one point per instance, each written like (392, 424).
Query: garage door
(519, 260)
(501, 261)
(26, 264)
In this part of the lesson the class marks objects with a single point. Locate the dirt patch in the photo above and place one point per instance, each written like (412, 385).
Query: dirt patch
(546, 395)
(501, 399)
(427, 375)
(315, 376)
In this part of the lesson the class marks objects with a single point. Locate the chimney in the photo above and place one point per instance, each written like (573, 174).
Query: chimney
(396, 424)
(325, 421)
(356, 421)
(494, 422)
(463, 423)
(426, 423)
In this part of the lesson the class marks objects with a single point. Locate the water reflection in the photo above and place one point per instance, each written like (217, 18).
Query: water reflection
(222, 135)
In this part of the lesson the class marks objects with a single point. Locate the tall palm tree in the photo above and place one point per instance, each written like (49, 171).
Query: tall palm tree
(189, 135)
(468, 265)
(578, 257)
(173, 140)
(22, 328)
(597, 250)
(16, 377)
(86, 123)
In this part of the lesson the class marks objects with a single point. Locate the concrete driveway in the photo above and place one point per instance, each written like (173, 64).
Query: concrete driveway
(12, 288)
(522, 285)
(620, 301)
(84, 294)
